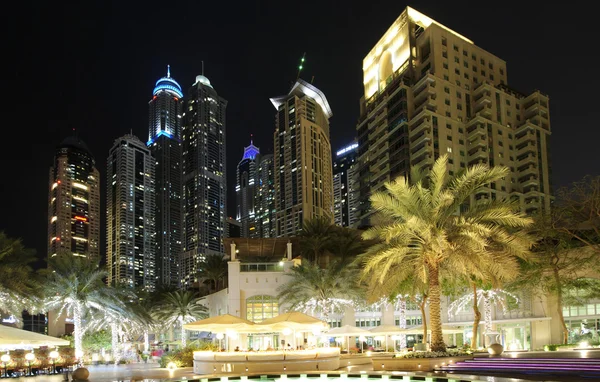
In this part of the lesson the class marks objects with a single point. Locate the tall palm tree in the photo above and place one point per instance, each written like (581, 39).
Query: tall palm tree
(429, 226)
(315, 238)
(180, 308)
(322, 291)
(346, 243)
(18, 284)
(75, 287)
(213, 268)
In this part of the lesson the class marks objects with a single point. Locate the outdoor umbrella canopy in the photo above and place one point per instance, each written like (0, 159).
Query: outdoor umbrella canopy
(296, 321)
(348, 331)
(222, 324)
(446, 329)
(386, 330)
(13, 338)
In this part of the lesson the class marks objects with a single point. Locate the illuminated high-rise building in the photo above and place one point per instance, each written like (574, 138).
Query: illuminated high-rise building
(265, 197)
(245, 191)
(302, 158)
(130, 214)
(345, 186)
(74, 202)
(164, 141)
(204, 177)
(429, 91)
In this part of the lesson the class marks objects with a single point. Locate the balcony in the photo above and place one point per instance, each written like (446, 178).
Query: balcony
(424, 160)
(476, 131)
(528, 136)
(425, 86)
(531, 181)
(479, 153)
(526, 148)
(529, 170)
(420, 124)
(426, 148)
(527, 158)
(483, 110)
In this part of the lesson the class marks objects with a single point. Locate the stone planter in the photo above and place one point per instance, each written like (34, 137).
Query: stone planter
(414, 364)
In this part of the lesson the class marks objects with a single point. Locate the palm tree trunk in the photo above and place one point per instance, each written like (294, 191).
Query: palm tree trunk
(424, 317)
(77, 329)
(437, 340)
(183, 339)
(146, 341)
(477, 314)
(114, 342)
(559, 306)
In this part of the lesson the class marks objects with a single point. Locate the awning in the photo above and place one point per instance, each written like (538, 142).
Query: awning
(13, 338)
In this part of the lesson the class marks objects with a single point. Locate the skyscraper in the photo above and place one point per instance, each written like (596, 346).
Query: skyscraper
(204, 177)
(302, 158)
(164, 141)
(345, 186)
(245, 190)
(265, 197)
(130, 214)
(74, 202)
(428, 91)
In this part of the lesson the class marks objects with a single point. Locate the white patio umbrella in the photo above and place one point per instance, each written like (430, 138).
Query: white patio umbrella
(225, 323)
(348, 331)
(294, 321)
(13, 338)
(386, 330)
(446, 329)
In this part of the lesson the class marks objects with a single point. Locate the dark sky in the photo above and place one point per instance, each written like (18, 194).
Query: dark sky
(92, 65)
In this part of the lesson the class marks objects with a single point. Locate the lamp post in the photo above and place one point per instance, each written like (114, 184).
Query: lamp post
(220, 336)
(5, 360)
(29, 357)
(53, 356)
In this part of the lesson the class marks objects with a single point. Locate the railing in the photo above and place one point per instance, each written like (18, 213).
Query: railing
(261, 267)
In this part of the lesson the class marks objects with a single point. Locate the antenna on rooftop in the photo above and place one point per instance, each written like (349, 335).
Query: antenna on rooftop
(301, 66)
(202, 67)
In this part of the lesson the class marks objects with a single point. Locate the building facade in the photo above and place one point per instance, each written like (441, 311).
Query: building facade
(74, 202)
(164, 141)
(428, 91)
(265, 197)
(302, 158)
(204, 177)
(520, 321)
(345, 186)
(130, 215)
(246, 191)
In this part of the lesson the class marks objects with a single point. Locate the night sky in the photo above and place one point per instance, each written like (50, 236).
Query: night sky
(92, 65)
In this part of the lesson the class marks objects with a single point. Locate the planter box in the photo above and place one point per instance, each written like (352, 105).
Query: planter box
(414, 364)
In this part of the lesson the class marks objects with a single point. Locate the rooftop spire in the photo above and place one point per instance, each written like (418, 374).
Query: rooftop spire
(301, 66)
(168, 71)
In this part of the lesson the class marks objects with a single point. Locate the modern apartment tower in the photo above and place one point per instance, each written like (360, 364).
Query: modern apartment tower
(130, 214)
(164, 142)
(430, 91)
(302, 158)
(204, 177)
(345, 186)
(74, 202)
(246, 191)
(264, 204)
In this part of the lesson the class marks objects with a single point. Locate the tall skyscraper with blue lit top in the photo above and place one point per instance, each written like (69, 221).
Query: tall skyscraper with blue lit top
(164, 141)
(245, 191)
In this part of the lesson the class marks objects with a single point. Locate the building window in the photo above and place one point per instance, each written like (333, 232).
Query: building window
(369, 322)
(501, 71)
(465, 64)
(465, 53)
(261, 307)
(449, 137)
(473, 57)
(491, 66)
(455, 48)
(492, 77)
(483, 73)
(445, 65)
(449, 149)
(462, 153)
(456, 60)
(466, 76)
(459, 106)
(460, 141)
(447, 89)
(482, 61)
(446, 77)
(448, 126)
(447, 102)
(458, 95)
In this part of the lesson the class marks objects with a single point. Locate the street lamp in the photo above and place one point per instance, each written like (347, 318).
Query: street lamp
(54, 355)
(29, 357)
(5, 359)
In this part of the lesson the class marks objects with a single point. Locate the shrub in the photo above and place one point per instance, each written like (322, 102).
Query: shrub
(551, 348)
(433, 354)
(185, 357)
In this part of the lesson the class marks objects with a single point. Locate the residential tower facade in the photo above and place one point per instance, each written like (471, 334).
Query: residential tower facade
(130, 215)
(246, 191)
(345, 186)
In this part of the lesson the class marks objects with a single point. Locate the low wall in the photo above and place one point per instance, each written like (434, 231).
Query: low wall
(207, 362)
(414, 364)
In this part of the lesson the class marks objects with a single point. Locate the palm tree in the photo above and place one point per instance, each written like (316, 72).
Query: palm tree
(213, 268)
(315, 238)
(425, 232)
(319, 290)
(180, 307)
(18, 284)
(346, 243)
(75, 287)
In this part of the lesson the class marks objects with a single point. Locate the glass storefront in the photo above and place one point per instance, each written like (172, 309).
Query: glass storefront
(261, 307)
(515, 336)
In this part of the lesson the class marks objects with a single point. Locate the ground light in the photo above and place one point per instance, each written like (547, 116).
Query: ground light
(171, 366)
(5, 360)
(29, 357)
(54, 355)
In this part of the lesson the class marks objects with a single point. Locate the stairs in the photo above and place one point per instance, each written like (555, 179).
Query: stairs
(584, 367)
